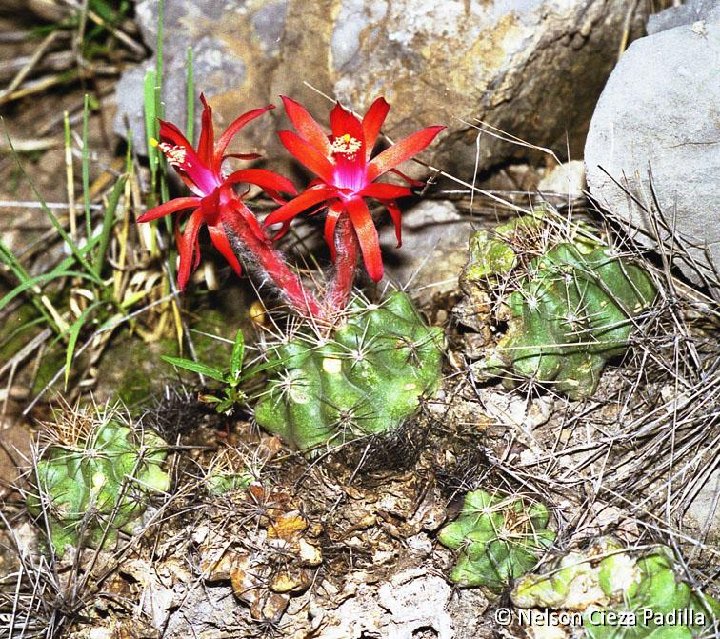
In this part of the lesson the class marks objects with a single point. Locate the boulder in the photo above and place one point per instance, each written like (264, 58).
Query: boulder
(653, 149)
(531, 67)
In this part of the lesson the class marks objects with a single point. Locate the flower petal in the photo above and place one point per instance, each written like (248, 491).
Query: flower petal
(307, 155)
(170, 133)
(229, 133)
(381, 191)
(343, 122)
(242, 156)
(418, 184)
(402, 151)
(367, 237)
(330, 223)
(266, 180)
(182, 157)
(221, 242)
(178, 204)
(239, 218)
(372, 123)
(304, 201)
(396, 216)
(306, 125)
(189, 249)
(207, 135)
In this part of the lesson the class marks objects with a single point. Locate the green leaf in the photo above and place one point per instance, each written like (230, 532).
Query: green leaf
(41, 279)
(77, 252)
(238, 354)
(86, 165)
(108, 221)
(190, 96)
(73, 333)
(196, 367)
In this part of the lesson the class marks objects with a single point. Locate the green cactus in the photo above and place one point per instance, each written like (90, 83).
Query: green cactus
(228, 472)
(98, 485)
(569, 309)
(641, 592)
(498, 537)
(367, 378)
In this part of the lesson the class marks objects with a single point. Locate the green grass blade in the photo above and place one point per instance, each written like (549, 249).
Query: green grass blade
(159, 110)
(238, 355)
(42, 279)
(196, 367)
(73, 334)
(108, 223)
(77, 253)
(86, 164)
(190, 97)
(151, 132)
(7, 257)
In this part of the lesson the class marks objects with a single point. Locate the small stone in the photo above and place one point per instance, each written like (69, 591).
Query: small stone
(310, 555)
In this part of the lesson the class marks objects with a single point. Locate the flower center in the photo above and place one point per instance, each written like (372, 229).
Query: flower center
(346, 145)
(175, 155)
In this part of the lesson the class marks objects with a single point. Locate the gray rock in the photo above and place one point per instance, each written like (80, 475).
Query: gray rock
(689, 13)
(434, 250)
(531, 67)
(653, 150)
(703, 513)
(234, 46)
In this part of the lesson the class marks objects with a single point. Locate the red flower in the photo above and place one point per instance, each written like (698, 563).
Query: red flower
(346, 174)
(215, 201)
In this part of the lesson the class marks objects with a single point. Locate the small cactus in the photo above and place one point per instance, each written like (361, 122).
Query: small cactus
(97, 484)
(366, 378)
(645, 594)
(569, 309)
(228, 472)
(498, 538)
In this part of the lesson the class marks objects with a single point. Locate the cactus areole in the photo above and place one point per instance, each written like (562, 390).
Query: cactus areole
(367, 378)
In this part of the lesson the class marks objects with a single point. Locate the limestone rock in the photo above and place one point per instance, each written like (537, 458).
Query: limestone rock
(235, 45)
(653, 150)
(689, 13)
(434, 250)
(531, 67)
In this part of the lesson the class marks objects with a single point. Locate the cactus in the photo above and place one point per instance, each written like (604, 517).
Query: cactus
(622, 596)
(569, 309)
(498, 538)
(97, 484)
(228, 472)
(368, 377)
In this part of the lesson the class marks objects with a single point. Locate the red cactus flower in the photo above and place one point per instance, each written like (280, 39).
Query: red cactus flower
(347, 175)
(215, 203)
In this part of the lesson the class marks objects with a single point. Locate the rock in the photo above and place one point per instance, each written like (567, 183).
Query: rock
(234, 46)
(652, 152)
(434, 250)
(703, 513)
(689, 13)
(412, 602)
(531, 67)
(564, 182)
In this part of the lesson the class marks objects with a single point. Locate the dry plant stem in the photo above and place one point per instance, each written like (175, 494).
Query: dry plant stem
(272, 264)
(346, 254)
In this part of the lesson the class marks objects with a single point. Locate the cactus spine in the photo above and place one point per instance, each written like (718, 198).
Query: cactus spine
(367, 378)
(98, 484)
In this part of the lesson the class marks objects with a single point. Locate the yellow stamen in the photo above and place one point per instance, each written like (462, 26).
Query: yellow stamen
(346, 144)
